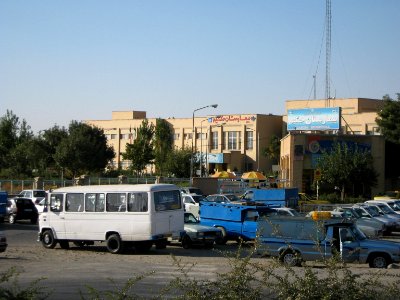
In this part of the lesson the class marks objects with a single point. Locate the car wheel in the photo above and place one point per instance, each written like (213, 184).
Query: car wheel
(379, 261)
(64, 244)
(186, 242)
(48, 240)
(11, 219)
(114, 244)
(223, 239)
(290, 258)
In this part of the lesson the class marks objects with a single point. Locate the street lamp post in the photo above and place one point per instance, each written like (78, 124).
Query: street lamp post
(201, 147)
(193, 137)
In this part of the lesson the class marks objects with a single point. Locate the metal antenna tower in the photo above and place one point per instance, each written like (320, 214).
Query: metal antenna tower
(328, 53)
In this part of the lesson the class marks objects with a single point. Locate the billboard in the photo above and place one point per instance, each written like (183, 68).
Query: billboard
(314, 119)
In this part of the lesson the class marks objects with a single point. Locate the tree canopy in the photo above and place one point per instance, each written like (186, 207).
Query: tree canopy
(140, 152)
(388, 119)
(84, 150)
(163, 144)
(348, 168)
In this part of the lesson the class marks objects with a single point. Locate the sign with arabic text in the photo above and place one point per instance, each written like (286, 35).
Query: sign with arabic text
(314, 119)
(232, 118)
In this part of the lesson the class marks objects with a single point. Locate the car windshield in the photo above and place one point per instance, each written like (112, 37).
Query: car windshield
(353, 213)
(358, 233)
(232, 197)
(197, 199)
(395, 205)
(374, 211)
(385, 208)
(190, 219)
(362, 212)
(39, 194)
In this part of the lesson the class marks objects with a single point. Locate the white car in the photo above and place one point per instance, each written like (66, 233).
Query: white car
(191, 203)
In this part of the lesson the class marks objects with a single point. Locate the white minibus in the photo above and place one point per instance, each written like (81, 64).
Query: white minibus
(121, 215)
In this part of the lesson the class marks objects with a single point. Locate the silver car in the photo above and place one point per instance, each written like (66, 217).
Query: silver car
(196, 234)
(372, 228)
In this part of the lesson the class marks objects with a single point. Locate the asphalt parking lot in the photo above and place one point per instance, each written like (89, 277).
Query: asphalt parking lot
(66, 273)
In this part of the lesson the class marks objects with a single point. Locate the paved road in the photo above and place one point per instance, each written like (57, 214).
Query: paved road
(69, 271)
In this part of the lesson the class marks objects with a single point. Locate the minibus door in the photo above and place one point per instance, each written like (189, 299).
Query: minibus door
(56, 215)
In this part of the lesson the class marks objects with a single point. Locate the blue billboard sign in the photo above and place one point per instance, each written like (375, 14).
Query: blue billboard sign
(215, 158)
(314, 119)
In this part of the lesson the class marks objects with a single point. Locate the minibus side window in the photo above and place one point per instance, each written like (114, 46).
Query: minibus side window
(56, 202)
(137, 202)
(94, 202)
(74, 202)
(116, 202)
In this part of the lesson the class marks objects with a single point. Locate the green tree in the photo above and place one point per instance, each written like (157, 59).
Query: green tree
(163, 143)
(52, 138)
(388, 119)
(347, 168)
(273, 150)
(84, 150)
(14, 136)
(178, 163)
(141, 153)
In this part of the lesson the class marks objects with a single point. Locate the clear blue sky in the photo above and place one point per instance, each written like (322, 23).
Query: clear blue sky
(81, 60)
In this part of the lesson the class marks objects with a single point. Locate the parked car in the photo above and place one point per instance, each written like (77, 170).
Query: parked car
(21, 209)
(287, 211)
(391, 203)
(196, 234)
(223, 198)
(37, 196)
(386, 211)
(373, 213)
(191, 202)
(3, 242)
(372, 228)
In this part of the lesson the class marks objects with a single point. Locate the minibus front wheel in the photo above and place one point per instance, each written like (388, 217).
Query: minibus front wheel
(48, 240)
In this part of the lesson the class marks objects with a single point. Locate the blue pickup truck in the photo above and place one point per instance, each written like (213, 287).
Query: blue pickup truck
(3, 206)
(235, 220)
(298, 239)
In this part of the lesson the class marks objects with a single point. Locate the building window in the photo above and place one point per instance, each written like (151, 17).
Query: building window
(233, 140)
(176, 136)
(249, 140)
(214, 143)
(125, 136)
(113, 136)
(201, 136)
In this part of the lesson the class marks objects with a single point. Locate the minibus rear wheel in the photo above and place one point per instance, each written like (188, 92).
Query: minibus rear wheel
(48, 240)
(114, 244)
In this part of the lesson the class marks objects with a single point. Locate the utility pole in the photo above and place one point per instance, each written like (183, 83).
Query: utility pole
(328, 53)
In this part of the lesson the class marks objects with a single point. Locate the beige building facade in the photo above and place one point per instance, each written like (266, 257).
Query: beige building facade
(300, 149)
(223, 142)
